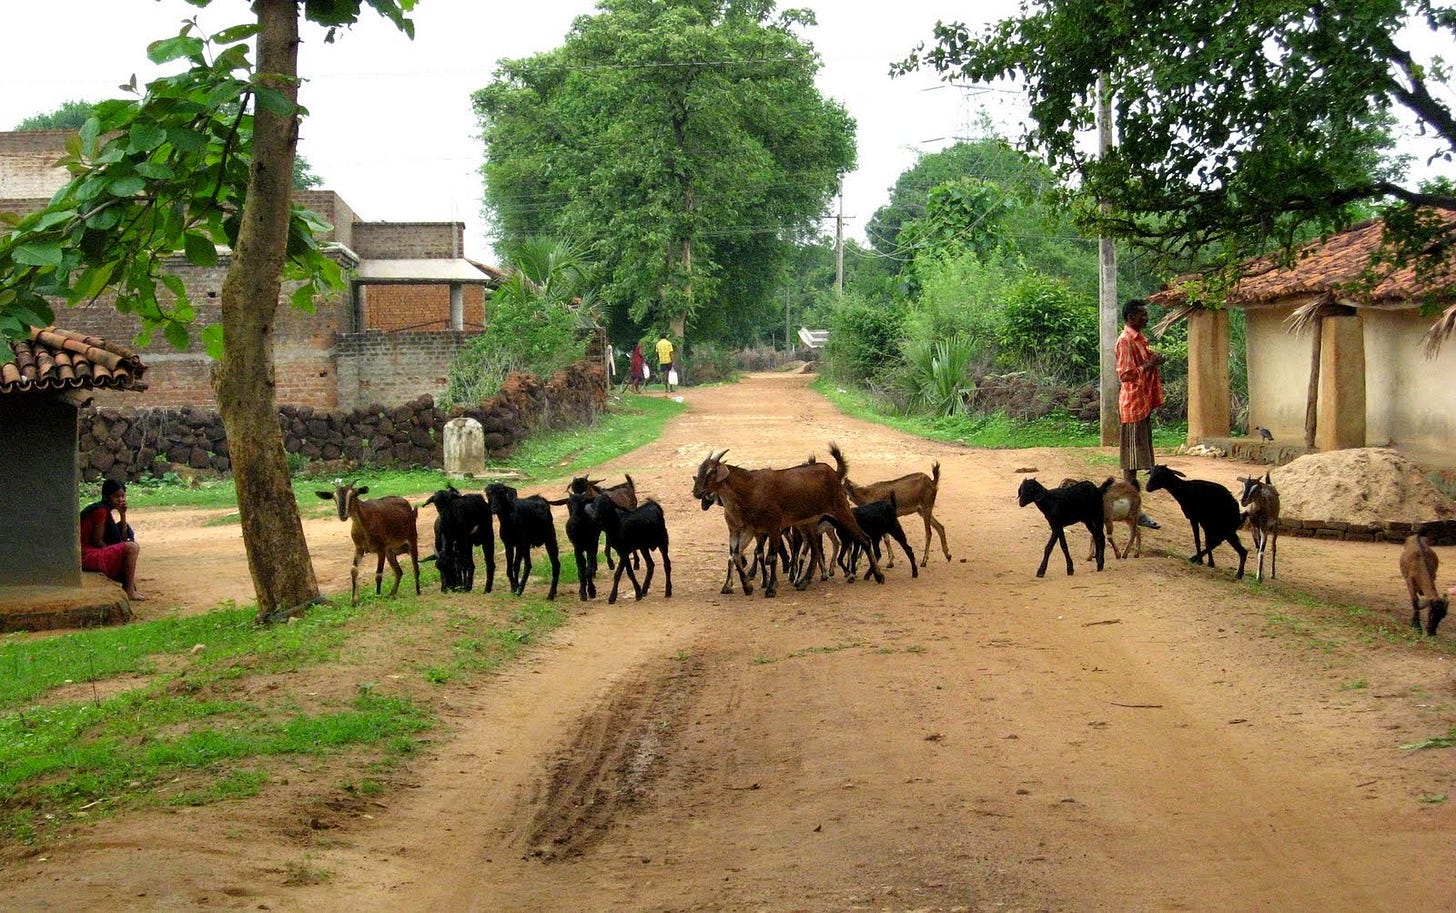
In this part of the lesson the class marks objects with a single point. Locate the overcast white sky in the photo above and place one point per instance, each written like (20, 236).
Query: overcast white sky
(390, 125)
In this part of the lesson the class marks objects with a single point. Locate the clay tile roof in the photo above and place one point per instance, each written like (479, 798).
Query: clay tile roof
(1336, 265)
(59, 360)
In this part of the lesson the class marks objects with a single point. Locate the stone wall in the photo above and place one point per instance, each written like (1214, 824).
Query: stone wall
(1440, 532)
(132, 444)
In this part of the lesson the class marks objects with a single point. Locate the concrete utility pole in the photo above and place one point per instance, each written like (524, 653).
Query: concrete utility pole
(1107, 288)
(839, 246)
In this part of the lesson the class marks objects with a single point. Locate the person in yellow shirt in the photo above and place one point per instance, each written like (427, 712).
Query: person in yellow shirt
(664, 360)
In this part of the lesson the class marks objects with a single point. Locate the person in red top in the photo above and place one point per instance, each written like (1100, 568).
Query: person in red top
(1141, 393)
(637, 373)
(108, 545)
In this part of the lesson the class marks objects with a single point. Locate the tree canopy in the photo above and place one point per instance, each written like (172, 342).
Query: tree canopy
(683, 140)
(69, 116)
(1245, 125)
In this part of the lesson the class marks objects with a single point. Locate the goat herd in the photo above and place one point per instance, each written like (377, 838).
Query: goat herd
(786, 514)
(1215, 516)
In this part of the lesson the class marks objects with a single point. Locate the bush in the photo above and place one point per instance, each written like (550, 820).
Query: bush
(864, 340)
(534, 336)
(936, 375)
(1046, 324)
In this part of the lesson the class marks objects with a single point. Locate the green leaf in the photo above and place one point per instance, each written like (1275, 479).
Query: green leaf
(236, 33)
(92, 282)
(47, 218)
(212, 338)
(155, 171)
(104, 219)
(128, 186)
(172, 48)
(38, 253)
(145, 137)
(200, 250)
(176, 334)
(302, 298)
(273, 101)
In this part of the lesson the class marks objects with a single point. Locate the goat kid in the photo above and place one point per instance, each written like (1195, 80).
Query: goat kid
(1209, 507)
(384, 527)
(1260, 503)
(639, 531)
(1079, 502)
(524, 523)
(1418, 563)
(584, 533)
(880, 521)
(915, 494)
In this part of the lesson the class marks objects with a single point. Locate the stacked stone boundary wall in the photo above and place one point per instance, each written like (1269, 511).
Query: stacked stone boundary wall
(1440, 532)
(137, 443)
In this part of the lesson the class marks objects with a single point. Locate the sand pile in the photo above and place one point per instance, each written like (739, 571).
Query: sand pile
(1360, 485)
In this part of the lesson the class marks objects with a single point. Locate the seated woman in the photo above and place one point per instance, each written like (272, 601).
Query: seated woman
(108, 545)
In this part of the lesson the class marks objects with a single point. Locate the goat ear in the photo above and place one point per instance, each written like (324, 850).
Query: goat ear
(326, 495)
(1267, 480)
(362, 490)
(1178, 473)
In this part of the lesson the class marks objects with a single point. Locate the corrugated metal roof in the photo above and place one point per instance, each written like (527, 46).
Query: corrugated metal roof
(57, 360)
(422, 271)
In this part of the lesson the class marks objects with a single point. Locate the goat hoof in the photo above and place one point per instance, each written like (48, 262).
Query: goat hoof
(726, 591)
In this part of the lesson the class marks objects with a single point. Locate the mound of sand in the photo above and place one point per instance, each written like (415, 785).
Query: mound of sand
(1362, 485)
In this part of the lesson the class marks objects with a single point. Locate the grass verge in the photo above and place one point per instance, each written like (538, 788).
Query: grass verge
(212, 707)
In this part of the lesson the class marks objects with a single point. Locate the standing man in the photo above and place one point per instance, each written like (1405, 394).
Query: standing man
(1141, 393)
(664, 360)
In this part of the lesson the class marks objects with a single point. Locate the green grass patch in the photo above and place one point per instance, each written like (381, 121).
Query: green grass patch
(1442, 741)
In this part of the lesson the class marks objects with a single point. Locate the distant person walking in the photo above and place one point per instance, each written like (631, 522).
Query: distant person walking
(637, 371)
(664, 361)
(1141, 393)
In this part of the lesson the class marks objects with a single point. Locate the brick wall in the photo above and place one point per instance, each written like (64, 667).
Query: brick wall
(393, 308)
(377, 367)
(408, 240)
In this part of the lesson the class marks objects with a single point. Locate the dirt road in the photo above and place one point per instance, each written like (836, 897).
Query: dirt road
(1153, 737)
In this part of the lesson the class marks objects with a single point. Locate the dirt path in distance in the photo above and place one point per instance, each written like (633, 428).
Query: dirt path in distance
(1152, 737)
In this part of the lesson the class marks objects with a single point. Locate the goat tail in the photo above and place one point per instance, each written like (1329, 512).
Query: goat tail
(935, 473)
(840, 461)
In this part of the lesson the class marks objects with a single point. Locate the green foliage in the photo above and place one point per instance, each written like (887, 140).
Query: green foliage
(1045, 323)
(1245, 125)
(535, 323)
(304, 177)
(687, 140)
(864, 340)
(71, 115)
(163, 173)
(936, 377)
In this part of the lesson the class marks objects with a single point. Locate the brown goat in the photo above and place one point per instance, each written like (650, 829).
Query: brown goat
(915, 494)
(769, 501)
(383, 527)
(1122, 503)
(1260, 502)
(1418, 565)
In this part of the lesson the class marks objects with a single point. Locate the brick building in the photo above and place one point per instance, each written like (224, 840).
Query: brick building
(411, 303)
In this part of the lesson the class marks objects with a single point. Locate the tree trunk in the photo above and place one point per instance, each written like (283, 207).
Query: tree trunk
(1311, 405)
(278, 556)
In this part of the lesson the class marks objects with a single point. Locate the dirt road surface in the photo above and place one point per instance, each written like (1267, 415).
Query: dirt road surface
(1152, 737)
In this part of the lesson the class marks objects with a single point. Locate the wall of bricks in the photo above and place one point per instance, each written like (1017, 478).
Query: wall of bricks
(408, 240)
(377, 367)
(1440, 532)
(420, 307)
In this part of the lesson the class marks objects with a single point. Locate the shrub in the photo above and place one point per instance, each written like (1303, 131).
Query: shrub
(864, 340)
(936, 375)
(1046, 324)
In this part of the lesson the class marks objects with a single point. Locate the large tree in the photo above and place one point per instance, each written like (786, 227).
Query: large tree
(197, 161)
(1244, 125)
(684, 139)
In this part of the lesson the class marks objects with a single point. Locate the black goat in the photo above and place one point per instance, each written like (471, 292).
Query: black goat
(879, 520)
(1208, 506)
(1079, 502)
(584, 532)
(462, 522)
(623, 493)
(629, 531)
(524, 523)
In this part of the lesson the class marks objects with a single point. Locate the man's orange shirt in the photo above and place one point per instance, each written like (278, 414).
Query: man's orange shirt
(1142, 391)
